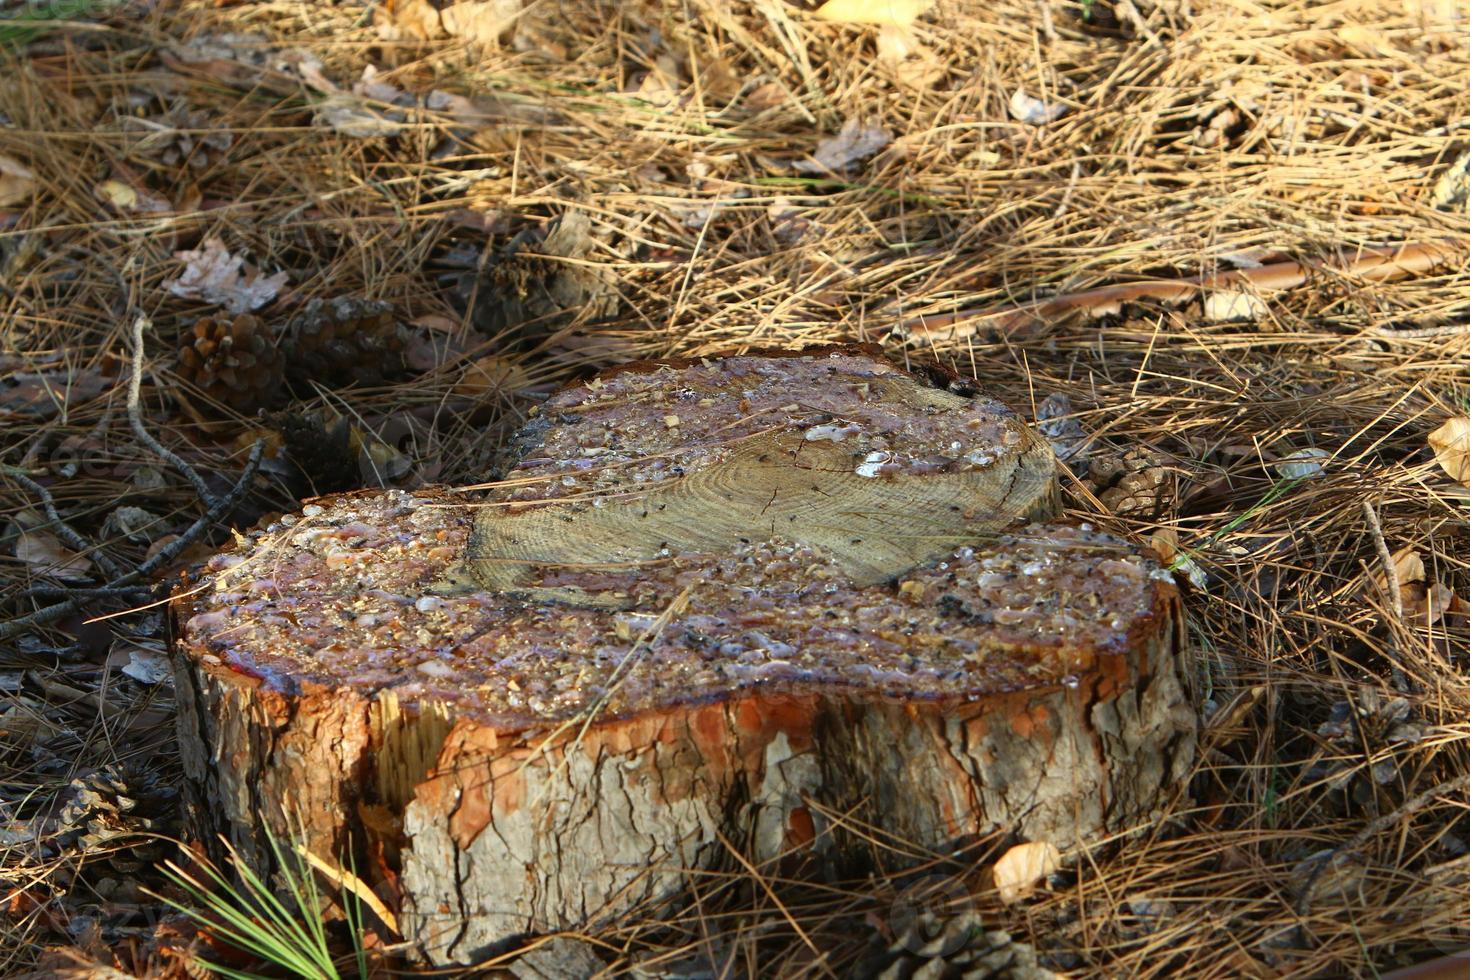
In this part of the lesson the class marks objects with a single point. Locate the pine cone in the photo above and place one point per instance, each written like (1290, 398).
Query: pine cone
(953, 947)
(323, 453)
(343, 341)
(113, 815)
(1138, 482)
(233, 361)
(527, 286)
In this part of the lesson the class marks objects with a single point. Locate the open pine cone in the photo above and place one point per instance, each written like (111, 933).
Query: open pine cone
(114, 815)
(529, 285)
(954, 947)
(342, 341)
(234, 361)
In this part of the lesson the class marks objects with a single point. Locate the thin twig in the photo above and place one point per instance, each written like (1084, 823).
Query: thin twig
(221, 506)
(1408, 808)
(69, 535)
(135, 416)
(103, 591)
(1395, 596)
(1390, 571)
(1422, 333)
(1375, 265)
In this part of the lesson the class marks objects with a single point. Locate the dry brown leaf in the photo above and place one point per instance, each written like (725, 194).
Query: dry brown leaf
(47, 394)
(1234, 711)
(660, 87)
(45, 553)
(718, 80)
(1226, 305)
(1165, 543)
(767, 95)
(407, 20)
(491, 376)
(436, 321)
(17, 182)
(213, 275)
(1441, 600)
(857, 139)
(124, 197)
(1031, 110)
(1427, 605)
(480, 21)
(1407, 566)
(1451, 445)
(899, 13)
(913, 66)
(1020, 869)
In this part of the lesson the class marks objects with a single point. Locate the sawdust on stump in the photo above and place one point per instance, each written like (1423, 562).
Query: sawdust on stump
(708, 603)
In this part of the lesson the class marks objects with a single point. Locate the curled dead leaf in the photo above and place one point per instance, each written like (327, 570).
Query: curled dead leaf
(213, 275)
(480, 21)
(767, 95)
(899, 13)
(1226, 305)
(46, 555)
(407, 20)
(1407, 566)
(17, 182)
(1451, 445)
(1020, 869)
(1031, 110)
(128, 199)
(491, 376)
(856, 140)
(1427, 605)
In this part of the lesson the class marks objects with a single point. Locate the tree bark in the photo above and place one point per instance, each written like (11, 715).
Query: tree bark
(708, 604)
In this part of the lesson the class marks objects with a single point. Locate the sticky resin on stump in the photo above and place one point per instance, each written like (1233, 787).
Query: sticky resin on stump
(707, 599)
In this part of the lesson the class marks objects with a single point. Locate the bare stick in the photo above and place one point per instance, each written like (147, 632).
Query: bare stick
(1422, 333)
(1395, 596)
(1409, 807)
(1375, 265)
(69, 535)
(135, 416)
(1390, 571)
(222, 505)
(89, 592)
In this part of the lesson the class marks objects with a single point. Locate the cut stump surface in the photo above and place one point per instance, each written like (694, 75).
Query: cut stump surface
(709, 604)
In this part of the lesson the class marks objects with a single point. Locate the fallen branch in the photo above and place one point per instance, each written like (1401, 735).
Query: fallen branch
(216, 507)
(135, 417)
(69, 535)
(1376, 265)
(1375, 827)
(1395, 594)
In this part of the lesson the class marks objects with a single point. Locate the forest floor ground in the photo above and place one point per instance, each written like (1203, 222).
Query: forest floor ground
(540, 191)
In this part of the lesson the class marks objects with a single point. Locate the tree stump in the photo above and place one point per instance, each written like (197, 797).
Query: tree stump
(707, 603)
